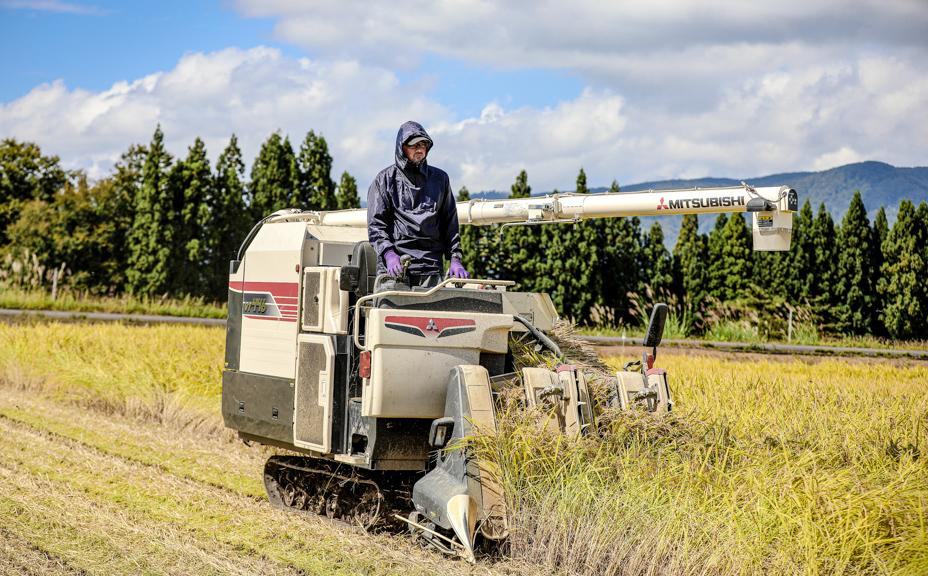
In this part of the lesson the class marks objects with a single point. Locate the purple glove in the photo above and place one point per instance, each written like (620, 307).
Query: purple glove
(457, 269)
(394, 267)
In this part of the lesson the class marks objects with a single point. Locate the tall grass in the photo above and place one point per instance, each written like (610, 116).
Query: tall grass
(764, 467)
(166, 373)
(770, 467)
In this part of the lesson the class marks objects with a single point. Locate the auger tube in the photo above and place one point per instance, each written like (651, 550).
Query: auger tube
(772, 207)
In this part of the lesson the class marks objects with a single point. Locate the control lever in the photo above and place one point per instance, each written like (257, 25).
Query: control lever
(405, 260)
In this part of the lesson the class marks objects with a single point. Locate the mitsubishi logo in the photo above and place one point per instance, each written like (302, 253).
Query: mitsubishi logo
(661, 205)
(431, 327)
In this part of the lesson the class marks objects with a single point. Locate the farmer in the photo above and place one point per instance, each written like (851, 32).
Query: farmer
(411, 211)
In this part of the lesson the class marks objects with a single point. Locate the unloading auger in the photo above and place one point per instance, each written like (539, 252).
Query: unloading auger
(368, 391)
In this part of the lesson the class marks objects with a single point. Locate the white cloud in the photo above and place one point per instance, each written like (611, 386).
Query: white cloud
(624, 45)
(809, 117)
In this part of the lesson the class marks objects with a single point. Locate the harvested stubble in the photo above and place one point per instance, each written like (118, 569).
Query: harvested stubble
(96, 477)
(765, 467)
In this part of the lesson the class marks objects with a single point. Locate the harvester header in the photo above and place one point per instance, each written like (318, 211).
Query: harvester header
(772, 208)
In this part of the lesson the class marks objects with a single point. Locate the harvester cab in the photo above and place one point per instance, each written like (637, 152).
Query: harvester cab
(373, 394)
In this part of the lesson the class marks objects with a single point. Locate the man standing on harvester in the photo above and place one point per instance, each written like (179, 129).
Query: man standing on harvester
(411, 211)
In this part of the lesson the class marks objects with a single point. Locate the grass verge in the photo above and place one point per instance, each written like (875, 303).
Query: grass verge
(68, 301)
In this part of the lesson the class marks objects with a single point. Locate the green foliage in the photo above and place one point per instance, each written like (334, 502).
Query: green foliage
(521, 189)
(570, 268)
(657, 268)
(822, 285)
(856, 271)
(25, 175)
(77, 234)
(729, 269)
(230, 219)
(519, 245)
(156, 227)
(479, 244)
(192, 182)
(275, 179)
(316, 187)
(801, 259)
(620, 254)
(153, 233)
(347, 196)
(903, 283)
(689, 259)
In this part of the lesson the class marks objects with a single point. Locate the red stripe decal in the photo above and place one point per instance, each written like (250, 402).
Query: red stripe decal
(277, 318)
(278, 289)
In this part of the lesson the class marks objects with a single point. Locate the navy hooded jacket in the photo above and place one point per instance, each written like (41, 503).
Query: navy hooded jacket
(412, 210)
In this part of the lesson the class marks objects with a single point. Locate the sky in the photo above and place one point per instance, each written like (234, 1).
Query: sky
(630, 91)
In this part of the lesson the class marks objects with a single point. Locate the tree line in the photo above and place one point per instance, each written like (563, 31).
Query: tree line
(852, 278)
(159, 225)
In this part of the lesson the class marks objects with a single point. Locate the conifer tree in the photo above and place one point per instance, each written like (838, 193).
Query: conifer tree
(474, 256)
(822, 287)
(193, 193)
(152, 236)
(317, 190)
(799, 274)
(854, 287)
(715, 280)
(689, 258)
(880, 232)
(569, 272)
(619, 267)
(347, 196)
(880, 227)
(658, 268)
(275, 179)
(230, 219)
(904, 270)
(729, 258)
(121, 208)
(518, 255)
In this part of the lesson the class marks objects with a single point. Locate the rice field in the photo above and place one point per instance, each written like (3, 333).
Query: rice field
(114, 460)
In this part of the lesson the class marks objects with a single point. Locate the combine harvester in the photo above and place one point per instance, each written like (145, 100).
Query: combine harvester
(368, 389)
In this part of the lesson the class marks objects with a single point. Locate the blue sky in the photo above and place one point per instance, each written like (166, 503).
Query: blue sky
(626, 90)
(114, 41)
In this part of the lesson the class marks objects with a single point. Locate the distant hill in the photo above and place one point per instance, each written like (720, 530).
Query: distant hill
(880, 184)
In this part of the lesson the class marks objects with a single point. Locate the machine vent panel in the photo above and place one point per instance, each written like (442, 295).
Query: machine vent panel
(312, 396)
(312, 300)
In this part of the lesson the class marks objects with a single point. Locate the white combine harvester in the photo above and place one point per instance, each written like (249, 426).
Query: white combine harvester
(366, 389)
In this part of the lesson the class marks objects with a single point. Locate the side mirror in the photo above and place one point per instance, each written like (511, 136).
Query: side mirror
(656, 325)
(440, 432)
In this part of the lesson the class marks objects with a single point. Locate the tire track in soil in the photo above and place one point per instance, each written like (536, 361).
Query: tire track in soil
(21, 558)
(239, 512)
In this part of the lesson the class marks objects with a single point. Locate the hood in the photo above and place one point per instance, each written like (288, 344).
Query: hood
(407, 131)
